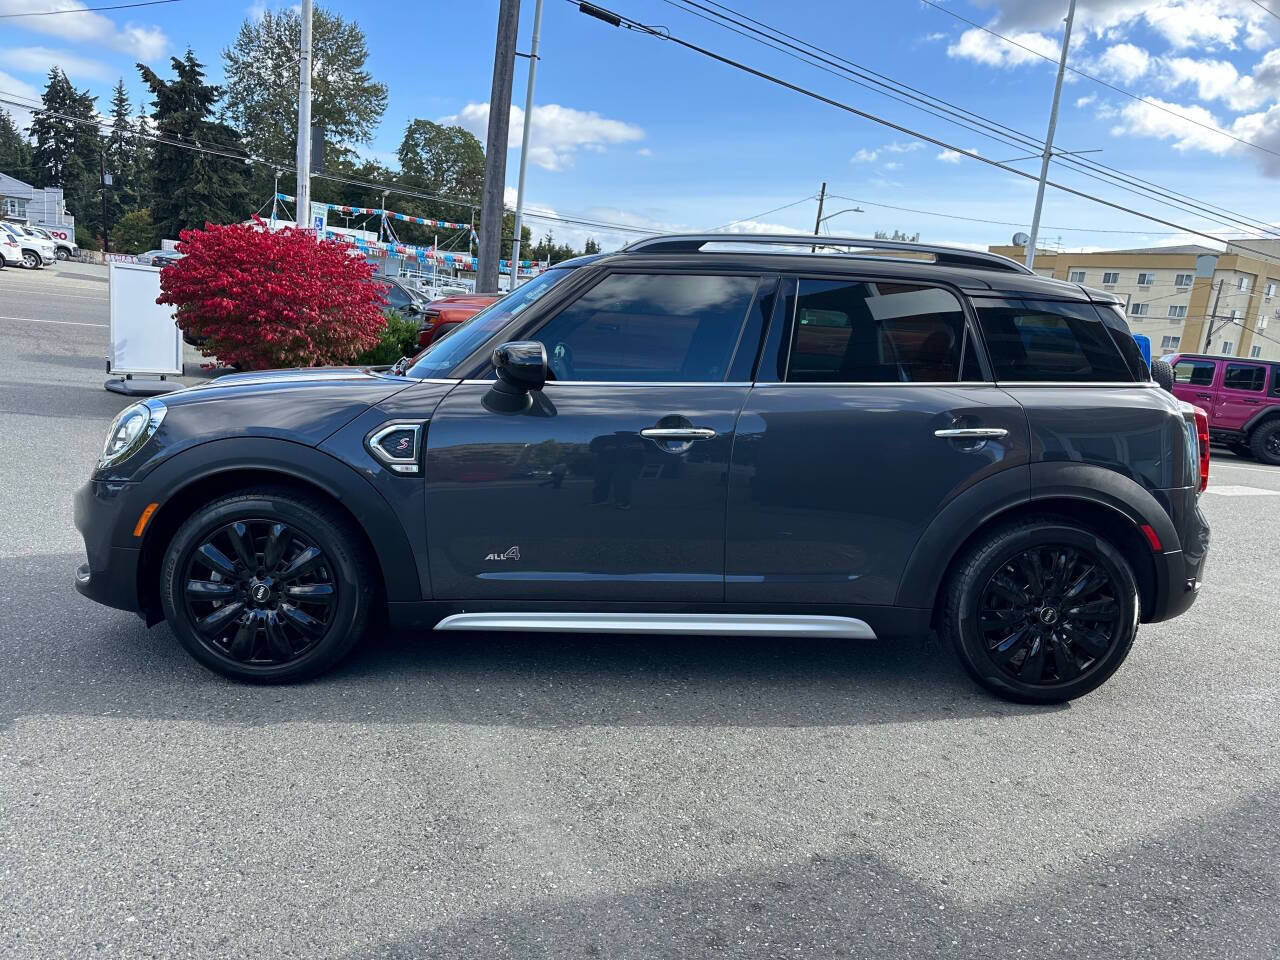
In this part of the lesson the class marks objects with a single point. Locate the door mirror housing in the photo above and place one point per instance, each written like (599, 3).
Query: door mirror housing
(521, 366)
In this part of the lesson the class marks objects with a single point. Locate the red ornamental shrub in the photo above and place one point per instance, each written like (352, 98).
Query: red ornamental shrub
(263, 299)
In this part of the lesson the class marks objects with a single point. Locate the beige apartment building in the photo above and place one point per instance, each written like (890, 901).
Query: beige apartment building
(1172, 293)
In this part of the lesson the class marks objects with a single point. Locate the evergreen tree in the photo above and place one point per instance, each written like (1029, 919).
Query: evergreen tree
(119, 155)
(142, 158)
(15, 150)
(66, 148)
(190, 187)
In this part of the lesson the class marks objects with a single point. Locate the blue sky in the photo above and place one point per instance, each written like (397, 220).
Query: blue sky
(630, 129)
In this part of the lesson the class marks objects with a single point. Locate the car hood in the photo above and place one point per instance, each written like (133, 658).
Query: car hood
(301, 406)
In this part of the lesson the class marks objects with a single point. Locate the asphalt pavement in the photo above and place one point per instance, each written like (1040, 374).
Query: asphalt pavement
(544, 796)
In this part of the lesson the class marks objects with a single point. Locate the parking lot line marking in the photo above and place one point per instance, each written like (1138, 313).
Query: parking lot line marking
(1228, 490)
(1246, 467)
(70, 323)
(43, 293)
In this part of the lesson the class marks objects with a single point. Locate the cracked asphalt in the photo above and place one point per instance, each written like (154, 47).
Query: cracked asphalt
(544, 796)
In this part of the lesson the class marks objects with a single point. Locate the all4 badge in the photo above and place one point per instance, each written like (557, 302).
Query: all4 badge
(512, 554)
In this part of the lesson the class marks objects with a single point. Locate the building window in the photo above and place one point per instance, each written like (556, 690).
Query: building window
(1146, 279)
(1242, 283)
(1184, 280)
(1228, 347)
(1177, 313)
(1170, 343)
(1110, 278)
(1139, 309)
(1270, 290)
(1255, 351)
(1235, 316)
(1076, 276)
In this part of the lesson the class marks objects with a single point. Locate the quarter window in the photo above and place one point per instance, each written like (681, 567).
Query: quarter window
(1031, 340)
(1197, 373)
(1244, 376)
(874, 332)
(650, 328)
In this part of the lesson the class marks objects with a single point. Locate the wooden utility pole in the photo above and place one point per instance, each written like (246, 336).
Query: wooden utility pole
(106, 227)
(822, 196)
(1213, 316)
(495, 149)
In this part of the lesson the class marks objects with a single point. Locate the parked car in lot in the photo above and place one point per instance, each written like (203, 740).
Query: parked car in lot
(166, 258)
(10, 249)
(1242, 398)
(63, 249)
(148, 257)
(695, 435)
(400, 297)
(34, 251)
(439, 317)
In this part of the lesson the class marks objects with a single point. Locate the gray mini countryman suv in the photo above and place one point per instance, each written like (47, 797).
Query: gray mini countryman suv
(694, 435)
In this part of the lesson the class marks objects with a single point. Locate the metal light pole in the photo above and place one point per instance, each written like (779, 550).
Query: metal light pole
(303, 217)
(1048, 140)
(495, 149)
(524, 142)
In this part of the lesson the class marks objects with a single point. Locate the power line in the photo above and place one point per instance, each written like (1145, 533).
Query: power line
(1110, 86)
(958, 115)
(1262, 6)
(54, 13)
(757, 216)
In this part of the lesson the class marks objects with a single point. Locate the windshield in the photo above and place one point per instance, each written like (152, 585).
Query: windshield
(439, 359)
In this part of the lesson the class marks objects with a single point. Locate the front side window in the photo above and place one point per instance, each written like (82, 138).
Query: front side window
(439, 359)
(650, 328)
(872, 331)
(1244, 376)
(1036, 341)
(1196, 373)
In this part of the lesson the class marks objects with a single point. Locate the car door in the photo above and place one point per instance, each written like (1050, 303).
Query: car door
(871, 411)
(1240, 395)
(1193, 381)
(610, 484)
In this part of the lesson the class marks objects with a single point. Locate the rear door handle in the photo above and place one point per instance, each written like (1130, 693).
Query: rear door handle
(1205, 396)
(678, 433)
(971, 433)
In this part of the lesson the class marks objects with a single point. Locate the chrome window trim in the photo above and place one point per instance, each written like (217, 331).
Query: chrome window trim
(878, 383)
(634, 383)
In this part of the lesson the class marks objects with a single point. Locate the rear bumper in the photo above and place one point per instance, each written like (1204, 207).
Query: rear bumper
(1178, 572)
(111, 575)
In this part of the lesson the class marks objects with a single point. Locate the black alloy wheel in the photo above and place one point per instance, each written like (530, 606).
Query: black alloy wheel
(259, 591)
(1266, 442)
(1041, 610)
(268, 585)
(1049, 615)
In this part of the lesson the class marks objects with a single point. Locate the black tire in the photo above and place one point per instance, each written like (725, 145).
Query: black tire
(1241, 449)
(302, 623)
(62, 254)
(1265, 442)
(1070, 645)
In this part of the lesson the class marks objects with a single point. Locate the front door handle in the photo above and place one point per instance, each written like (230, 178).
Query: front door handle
(971, 433)
(1254, 402)
(678, 434)
(1205, 396)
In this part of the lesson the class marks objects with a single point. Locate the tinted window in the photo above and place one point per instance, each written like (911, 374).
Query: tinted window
(650, 327)
(396, 297)
(1198, 373)
(439, 359)
(1244, 376)
(874, 332)
(1030, 340)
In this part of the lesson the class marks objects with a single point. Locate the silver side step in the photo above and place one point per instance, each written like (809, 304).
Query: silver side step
(722, 624)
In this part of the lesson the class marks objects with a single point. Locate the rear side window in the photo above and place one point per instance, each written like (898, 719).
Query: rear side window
(853, 331)
(650, 328)
(1039, 341)
(1197, 373)
(1244, 376)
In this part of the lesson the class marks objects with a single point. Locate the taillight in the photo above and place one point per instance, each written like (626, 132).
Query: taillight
(1202, 433)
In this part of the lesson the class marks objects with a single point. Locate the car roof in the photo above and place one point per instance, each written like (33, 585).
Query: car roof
(978, 273)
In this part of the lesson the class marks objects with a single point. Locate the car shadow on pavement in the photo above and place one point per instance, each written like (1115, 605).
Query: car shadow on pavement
(69, 655)
(1134, 901)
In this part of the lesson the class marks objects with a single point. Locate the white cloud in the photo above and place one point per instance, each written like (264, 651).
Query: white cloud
(38, 60)
(865, 156)
(907, 146)
(22, 91)
(644, 152)
(893, 165)
(981, 47)
(952, 156)
(1262, 128)
(1082, 102)
(556, 133)
(1146, 118)
(1124, 61)
(143, 42)
(933, 37)
(871, 156)
(1219, 80)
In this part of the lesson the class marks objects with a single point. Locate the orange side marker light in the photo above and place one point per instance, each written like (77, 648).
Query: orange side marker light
(144, 518)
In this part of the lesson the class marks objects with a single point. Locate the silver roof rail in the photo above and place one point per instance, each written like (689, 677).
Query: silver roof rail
(942, 255)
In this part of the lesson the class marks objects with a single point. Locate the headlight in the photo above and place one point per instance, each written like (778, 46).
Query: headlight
(132, 427)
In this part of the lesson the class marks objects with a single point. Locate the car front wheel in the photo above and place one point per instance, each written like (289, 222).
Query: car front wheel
(62, 254)
(267, 586)
(1041, 611)
(30, 260)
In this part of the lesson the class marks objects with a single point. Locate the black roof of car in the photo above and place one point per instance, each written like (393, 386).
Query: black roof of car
(978, 273)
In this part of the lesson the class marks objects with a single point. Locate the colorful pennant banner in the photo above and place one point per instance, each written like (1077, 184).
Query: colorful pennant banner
(373, 212)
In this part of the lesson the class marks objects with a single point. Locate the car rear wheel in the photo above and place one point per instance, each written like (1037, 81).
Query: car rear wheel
(267, 586)
(1042, 611)
(1265, 442)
